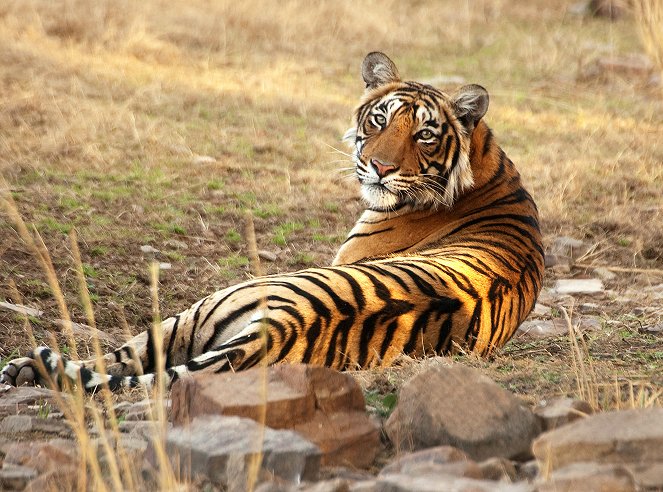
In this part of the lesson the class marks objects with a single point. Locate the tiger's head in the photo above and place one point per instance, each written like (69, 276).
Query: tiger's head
(412, 141)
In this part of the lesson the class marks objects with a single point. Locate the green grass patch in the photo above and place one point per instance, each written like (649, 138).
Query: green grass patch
(302, 259)
(215, 184)
(232, 237)
(51, 225)
(267, 211)
(233, 261)
(283, 232)
(170, 228)
(89, 271)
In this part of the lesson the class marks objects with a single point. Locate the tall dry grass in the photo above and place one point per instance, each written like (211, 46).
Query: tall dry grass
(649, 19)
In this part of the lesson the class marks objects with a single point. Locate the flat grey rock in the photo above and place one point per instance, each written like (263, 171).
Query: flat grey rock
(220, 449)
(578, 286)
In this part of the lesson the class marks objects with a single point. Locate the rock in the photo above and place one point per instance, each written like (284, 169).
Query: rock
(16, 477)
(28, 399)
(578, 286)
(633, 438)
(589, 477)
(653, 328)
(334, 485)
(498, 469)
(41, 456)
(604, 274)
(13, 424)
(561, 411)
(325, 406)
(440, 455)
(202, 159)
(64, 477)
(399, 482)
(528, 470)
(460, 407)
(176, 243)
(267, 255)
(566, 248)
(541, 309)
(538, 328)
(165, 266)
(439, 460)
(220, 449)
(588, 307)
(149, 250)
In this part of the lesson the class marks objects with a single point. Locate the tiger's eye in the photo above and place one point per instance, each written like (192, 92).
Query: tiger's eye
(379, 119)
(425, 135)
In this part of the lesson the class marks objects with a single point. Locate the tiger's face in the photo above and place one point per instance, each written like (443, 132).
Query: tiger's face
(411, 141)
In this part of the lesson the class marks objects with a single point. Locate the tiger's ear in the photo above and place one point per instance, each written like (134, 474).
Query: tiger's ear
(471, 102)
(377, 69)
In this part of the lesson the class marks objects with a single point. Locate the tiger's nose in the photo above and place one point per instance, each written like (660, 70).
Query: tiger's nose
(381, 168)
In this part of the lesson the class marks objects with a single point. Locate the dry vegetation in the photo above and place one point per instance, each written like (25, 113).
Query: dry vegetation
(108, 110)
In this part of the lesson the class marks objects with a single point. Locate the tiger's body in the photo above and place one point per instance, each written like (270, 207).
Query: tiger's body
(447, 255)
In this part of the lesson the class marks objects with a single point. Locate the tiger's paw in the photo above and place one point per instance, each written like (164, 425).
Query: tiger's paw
(25, 370)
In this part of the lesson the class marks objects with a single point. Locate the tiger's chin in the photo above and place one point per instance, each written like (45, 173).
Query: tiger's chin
(378, 197)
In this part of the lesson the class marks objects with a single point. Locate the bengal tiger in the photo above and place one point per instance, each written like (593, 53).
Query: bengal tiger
(446, 256)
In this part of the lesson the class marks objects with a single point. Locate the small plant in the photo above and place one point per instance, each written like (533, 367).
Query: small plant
(283, 232)
(233, 237)
(43, 409)
(383, 404)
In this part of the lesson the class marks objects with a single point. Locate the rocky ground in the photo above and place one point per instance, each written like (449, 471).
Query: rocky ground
(302, 428)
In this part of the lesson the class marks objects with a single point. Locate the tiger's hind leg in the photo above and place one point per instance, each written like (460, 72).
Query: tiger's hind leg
(46, 367)
(134, 358)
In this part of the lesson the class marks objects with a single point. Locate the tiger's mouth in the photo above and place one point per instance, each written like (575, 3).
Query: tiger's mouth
(380, 197)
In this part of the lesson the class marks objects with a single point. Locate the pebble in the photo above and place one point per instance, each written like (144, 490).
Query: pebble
(578, 286)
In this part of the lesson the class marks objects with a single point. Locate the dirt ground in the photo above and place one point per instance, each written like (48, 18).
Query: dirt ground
(154, 131)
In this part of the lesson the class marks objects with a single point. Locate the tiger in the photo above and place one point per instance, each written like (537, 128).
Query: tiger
(447, 256)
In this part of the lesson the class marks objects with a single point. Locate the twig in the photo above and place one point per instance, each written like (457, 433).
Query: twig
(655, 271)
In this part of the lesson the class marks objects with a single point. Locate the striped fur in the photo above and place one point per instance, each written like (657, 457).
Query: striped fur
(448, 254)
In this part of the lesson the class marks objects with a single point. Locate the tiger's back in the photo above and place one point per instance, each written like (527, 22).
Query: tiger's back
(448, 254)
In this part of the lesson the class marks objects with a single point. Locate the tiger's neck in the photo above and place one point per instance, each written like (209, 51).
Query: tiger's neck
(407, 230)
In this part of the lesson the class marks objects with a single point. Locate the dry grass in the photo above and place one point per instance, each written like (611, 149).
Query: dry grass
(105, 106)
(649, 19)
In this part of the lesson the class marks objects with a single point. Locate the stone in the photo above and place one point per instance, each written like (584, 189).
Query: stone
(633, 438)
(589, 477)
(399, 482)
(588, 307)
(325, 406)
(653, 328)
(202, 159)
(528, 470)
(41, 456)
(13, 424)
(149, 250)
(561, 411)
(440, 455)
(64, 477)
(267, 255)
(29, 399)
(541, 309)
(334, 485)
(461, 407)
(578, 286)
(498, 469)
(221, 448)
(544, 328)
(604, 274)
(16, 477)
